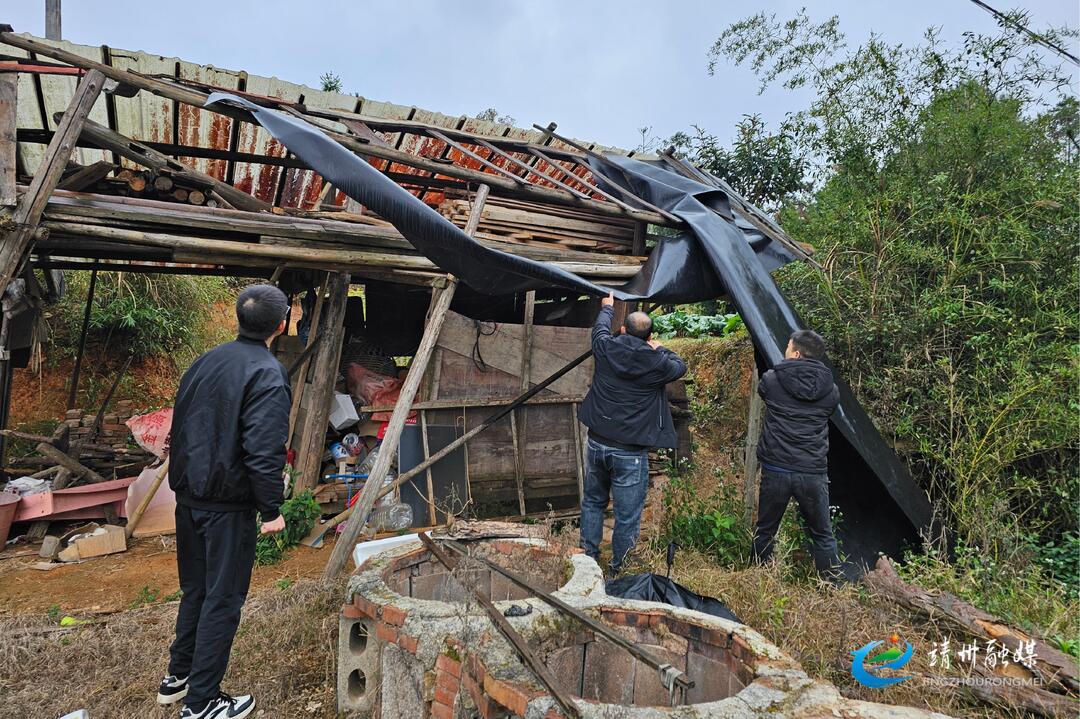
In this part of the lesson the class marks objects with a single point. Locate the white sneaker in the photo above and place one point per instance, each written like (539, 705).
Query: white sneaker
(224, 707)
(172, 689)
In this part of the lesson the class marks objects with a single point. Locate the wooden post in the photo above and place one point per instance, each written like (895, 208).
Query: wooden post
(753, 434)
(14, 245)
(302, 374)
(9, 87)
(638, 246)
(309, 450)
(579, 450)
(396, 426)
(52, 20)
(73, 393)
(518, 424)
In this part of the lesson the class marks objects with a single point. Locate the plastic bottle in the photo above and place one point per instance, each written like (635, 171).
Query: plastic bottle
(390, 518)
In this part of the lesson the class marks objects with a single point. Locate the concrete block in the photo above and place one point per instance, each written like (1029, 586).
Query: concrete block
(50, 547)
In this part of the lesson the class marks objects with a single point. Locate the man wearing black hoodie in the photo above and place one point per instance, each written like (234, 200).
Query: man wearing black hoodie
(227, 454)
(626, 411)
(800, 396)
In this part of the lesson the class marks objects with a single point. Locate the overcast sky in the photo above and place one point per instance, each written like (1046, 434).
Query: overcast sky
(601, 70)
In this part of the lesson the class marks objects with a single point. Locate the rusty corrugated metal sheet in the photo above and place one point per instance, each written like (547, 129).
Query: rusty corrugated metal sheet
(148, 117)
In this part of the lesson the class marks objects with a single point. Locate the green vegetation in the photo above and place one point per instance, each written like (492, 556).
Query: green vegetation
(141, 314)
(940, 194)
(682, 323)
(714, 524)
(300, 513)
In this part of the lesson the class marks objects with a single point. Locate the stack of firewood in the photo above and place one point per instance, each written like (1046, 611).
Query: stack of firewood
(508, 220)
(164, 185)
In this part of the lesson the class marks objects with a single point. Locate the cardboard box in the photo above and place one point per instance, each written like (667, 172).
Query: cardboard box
(111, 541)
(342, 411)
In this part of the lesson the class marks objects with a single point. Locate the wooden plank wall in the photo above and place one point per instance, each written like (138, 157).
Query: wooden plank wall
(550, 445)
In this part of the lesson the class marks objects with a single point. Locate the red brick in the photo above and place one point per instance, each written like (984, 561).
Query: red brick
(445, 696)
(476, 668)
(393, 615)
(386, 633)
(484, 704)
(365, 607)
(407, 643)
(441, 711)
(448, 664)
(448, 680)
(554, 713)
(349, 611)
(512, 696)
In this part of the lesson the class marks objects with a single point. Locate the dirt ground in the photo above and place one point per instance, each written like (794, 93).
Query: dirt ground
(144, 574)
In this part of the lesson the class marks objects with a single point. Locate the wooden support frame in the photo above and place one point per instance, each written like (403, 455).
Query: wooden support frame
(146, 156)
(73, 391)
(518, 424)
(550, 130)
(325, 369)
(440, 304)
(27, 214)
(313, 333)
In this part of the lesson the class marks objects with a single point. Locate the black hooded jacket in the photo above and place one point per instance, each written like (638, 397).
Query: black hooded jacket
(800, 396)
(229, 430)
(627, 402)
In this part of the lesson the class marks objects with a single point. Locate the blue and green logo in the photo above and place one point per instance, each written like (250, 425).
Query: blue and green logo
(866, 663)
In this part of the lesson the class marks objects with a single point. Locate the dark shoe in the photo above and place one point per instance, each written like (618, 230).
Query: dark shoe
(172, 689)
(224, 707)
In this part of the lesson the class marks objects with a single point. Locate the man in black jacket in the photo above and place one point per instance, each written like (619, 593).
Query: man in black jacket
(800, 396)
(626, 411)
(227, 455)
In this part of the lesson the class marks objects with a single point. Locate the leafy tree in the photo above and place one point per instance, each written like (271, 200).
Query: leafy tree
(493, 115)
(764, 168)
(946, 217)
(330, 82)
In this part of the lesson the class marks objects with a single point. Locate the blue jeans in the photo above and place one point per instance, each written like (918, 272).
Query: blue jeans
(811, 493)
(624, 475)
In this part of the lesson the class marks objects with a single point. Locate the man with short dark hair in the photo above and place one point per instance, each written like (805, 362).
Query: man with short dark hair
(800, 396)
(626, 411)
(227, 454)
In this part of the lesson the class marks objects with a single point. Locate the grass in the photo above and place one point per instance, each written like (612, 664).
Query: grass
(283, 655)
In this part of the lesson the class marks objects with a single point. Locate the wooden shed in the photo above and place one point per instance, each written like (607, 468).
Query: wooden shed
(109, 161)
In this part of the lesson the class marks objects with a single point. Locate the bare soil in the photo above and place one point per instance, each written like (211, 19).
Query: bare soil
(121, 581)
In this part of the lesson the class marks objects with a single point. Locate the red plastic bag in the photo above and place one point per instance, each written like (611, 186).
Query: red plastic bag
(373, 388)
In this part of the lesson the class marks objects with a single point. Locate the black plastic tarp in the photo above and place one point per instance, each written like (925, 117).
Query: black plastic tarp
(651, 587)
(881, 506)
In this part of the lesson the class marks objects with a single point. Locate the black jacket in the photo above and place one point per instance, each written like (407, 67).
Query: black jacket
(800, 396)
(627, 401)
(229, 430)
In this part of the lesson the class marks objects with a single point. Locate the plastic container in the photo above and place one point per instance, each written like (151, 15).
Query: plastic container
(390, 518)
(351, 443)
(8, 503)
(338, 451)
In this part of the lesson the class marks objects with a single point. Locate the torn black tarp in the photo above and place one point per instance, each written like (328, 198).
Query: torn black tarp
(881, 505)
(651, 587)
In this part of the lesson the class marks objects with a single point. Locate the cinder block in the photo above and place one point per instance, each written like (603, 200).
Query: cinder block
(358, 670)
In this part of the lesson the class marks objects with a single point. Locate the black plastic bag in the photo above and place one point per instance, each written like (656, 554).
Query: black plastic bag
(656, 588)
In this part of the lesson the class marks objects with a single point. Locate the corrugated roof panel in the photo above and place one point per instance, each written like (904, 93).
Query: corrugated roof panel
(146, 116)
(57, 91)
(27, 114)
(302, 187)
(202, 128)
(257, 179)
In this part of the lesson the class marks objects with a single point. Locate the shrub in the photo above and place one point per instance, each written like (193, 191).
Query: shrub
(683, 324)
(145, 314)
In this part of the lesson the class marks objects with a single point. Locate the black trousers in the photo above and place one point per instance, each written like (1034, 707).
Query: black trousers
(811, 493)
(215, 552)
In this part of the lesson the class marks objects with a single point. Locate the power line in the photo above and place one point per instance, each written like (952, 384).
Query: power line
(1005, 19)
